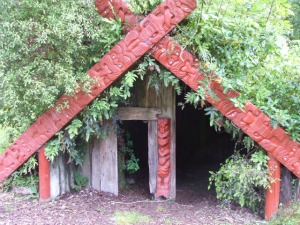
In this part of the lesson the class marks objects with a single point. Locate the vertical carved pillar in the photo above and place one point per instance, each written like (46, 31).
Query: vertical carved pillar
(273, 193)
(44, 175)
(164, 161)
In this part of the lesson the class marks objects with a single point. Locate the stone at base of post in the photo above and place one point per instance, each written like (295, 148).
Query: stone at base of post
(273, 193)
(44, 175)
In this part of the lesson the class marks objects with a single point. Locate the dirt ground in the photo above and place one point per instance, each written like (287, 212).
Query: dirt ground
(194, 205)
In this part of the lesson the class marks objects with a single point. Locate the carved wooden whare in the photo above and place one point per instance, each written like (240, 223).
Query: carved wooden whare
(144, 36)
(135, 44)
(164, 154)
(251, 120)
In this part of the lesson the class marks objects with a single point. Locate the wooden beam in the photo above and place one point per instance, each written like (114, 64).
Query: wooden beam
(137, 113)
(152, 155)
(44, 175)
(272, 195)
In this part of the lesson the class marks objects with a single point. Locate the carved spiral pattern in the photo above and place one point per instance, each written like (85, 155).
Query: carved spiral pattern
(252, 121)
(135, 44)
(164, 153)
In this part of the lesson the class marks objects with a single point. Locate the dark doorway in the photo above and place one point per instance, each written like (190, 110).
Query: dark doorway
(136, 131)
(199, 149)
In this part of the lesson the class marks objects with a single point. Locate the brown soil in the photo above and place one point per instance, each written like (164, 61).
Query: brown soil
(194, 205)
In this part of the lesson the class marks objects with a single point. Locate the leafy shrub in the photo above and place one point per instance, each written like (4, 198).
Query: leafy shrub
(25, 176)
(240, 178)
(80, 181)
(131, 163)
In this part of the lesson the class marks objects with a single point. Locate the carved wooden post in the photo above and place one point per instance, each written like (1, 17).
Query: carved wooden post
(44, 175)
(164, 154)
(272, 195)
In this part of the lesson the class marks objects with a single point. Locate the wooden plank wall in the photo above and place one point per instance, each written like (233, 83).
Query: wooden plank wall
(101, 163)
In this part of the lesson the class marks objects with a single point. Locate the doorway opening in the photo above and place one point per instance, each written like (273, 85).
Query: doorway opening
(199, 149)
(135, 136)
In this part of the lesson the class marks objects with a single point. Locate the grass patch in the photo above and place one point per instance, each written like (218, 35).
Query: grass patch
(124, 218)
(287, 215)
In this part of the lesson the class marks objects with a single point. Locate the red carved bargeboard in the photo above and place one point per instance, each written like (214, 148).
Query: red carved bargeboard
(185, 66)
(164, 154)
(135, 44)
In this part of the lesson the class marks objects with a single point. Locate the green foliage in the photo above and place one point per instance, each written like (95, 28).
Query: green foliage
(53, 146)
(25, 176)
(46, 47)
(73, 128)
(161, 76)
(80, 181)
(295, 19)
(131, 163)
(142, 7)
(240, 178)
(3, 140)
(212, 113)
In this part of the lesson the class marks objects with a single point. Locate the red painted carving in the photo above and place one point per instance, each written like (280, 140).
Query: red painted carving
(252, 121)
(164, 153)
(273, 193)
(135, 44)
(44, 175)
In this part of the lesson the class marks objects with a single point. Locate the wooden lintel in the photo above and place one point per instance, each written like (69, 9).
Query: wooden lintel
(138, 113)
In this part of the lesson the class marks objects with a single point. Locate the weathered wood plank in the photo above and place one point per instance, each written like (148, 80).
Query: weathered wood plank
(103, 161)
(152, 155)
(96, 167)
(286, 186)
(61, 175)
(109, 164)
(297, 190)
(138, 113)
(86, 167)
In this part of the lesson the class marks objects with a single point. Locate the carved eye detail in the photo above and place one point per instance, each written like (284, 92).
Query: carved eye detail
(267, 123)
(155, 34)
(171, 62)
(232, 114)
